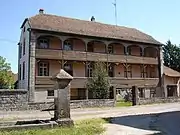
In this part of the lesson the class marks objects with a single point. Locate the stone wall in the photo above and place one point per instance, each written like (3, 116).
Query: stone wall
(144, 101)
(17, 100)
(13, 99)
(93, 103)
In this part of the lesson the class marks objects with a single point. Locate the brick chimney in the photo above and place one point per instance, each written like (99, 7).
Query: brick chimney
(41, 11)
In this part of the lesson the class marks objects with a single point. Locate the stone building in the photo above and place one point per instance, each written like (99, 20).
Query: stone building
(49, 43)
(171, 79)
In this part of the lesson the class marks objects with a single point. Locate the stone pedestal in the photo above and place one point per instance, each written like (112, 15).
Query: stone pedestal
(62, 101)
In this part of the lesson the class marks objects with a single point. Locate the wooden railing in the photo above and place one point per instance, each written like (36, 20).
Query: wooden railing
(92, 56)
(80, 82)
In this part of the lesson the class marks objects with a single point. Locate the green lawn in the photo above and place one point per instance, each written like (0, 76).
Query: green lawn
(123, 104)
(83, 127)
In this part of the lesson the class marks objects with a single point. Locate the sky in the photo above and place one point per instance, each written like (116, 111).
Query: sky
(159, 18)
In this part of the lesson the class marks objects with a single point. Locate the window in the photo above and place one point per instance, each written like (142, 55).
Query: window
(90, 48)
(20, 50)
(152, 71)
(128, 51)
(141, 52)
(50, 93)
(111, 70)
(20, 72)
(144, 71)
(43, 69)
(68, 68)
(68, 45)
(24, 46)
(110, 49)
(23, 74)
(43, 43)
(128, 71)
(141, 93)
(24, 29)
(89, 70)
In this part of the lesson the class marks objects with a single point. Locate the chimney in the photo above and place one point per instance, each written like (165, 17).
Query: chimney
(92, 19)
(41, 11)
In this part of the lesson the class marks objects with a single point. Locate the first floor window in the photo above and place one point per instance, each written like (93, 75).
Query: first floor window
(20, 72)
(50, 93)
(89, 69)
(43, 69)
(152, 71)
(23, 73)
(68, 68)
(111, 70)
(128, 71)
(144, 71)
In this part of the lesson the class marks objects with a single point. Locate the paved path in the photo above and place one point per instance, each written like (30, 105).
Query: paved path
(138, 120)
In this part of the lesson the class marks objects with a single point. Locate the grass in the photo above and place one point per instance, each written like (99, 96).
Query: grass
(122, 103)
(82, 127)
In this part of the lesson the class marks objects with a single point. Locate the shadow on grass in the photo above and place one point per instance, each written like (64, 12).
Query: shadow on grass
(154, 122)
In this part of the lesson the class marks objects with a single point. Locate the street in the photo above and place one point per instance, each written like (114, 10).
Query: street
(136, 120)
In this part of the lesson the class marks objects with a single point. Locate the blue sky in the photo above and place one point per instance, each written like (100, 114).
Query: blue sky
(159, 18)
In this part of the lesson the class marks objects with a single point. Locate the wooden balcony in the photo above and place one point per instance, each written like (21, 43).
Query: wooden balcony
(48, 54)
(92, 56)
(80, 82)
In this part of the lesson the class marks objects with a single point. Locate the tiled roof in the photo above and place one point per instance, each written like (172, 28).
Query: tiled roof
(170, 72)
(88, 28)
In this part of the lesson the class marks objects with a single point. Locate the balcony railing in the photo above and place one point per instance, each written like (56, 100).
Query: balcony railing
(93, 56)
(80, 82)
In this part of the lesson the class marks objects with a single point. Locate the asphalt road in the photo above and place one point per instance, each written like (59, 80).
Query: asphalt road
(137, 120)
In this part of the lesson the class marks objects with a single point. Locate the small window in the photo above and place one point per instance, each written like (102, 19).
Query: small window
(90, 48)
(68, 45)
(20, 72)
(128, 51)
(43, 69)
(128, 71)
(24, 29)
(23, 75)
(20, 50)
(50, 93)
(89, 70)
(110, 49)
(144, 71)
(68, 68)
(111, 71)
(152, 71)
(43, 43)
(24, 46)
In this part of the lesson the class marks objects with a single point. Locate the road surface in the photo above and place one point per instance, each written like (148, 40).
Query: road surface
(137, 120)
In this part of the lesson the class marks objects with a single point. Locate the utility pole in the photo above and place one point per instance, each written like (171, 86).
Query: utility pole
(115, 7)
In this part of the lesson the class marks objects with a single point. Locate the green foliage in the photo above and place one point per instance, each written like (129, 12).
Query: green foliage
(6, 79)
(99, 84)
(83, 127)
(171, 53)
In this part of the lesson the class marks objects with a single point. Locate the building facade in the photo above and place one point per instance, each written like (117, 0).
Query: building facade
(49, 43)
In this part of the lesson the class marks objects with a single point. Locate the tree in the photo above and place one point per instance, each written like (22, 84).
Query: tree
(99, 84)
(6, 80)
(171, 53)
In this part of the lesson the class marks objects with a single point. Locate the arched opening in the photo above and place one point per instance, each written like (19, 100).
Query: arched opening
(134, 50)
(49, 42)
(96, 46)
(150, 52)
(74, 44)
(116, 48)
